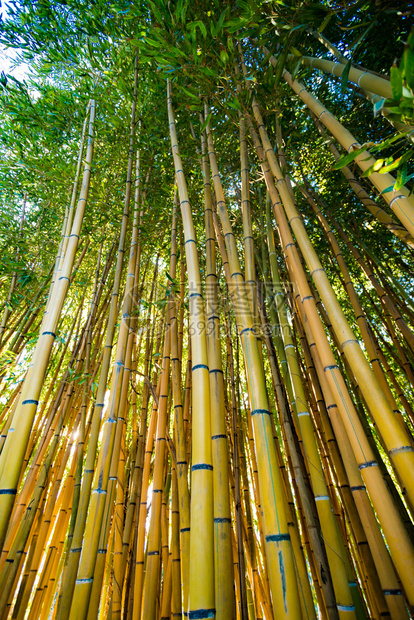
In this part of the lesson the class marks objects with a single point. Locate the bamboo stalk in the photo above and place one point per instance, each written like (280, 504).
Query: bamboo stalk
(398, 443)
(399, 201)
(222, 514)
(95, 519)
(349, 417)
(201, 588)
(279, 556)
(26, 410)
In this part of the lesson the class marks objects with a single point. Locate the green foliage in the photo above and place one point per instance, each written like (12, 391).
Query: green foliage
(402, 85)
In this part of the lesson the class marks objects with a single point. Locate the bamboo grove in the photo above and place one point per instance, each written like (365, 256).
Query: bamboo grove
(207, 321)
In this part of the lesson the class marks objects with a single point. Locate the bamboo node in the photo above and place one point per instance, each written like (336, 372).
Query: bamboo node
(394, 451)
(202, 613)
(350, 608)
(362, 75)
(354, 144)
(278, 538)
(260, 411)
(367, 464)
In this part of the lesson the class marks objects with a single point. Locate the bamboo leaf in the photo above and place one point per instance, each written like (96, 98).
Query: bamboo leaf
(398, 162)
(181, 10)
(409, 61)
(220, 22)
(281, 61)
(345, 75)
(203, 29)
(325, 22)
(396, 82)
(299, 27)
(206, 122)
(347, 159)
(401, 177)
(296, 68)
(386, 143)
(189, 93)
(224, 56)
(152, 42)
(378, 164)
(361, 37)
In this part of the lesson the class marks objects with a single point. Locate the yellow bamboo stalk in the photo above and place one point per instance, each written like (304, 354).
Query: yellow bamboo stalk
(363, 79)
(140, 538)
(117, 462)
(105, 552)
(201, 589)
(137, 477)
(258, 592)
(68, 219)
(95, 518)
(382, 216)
(176, 606)
(165, 613)
(397, 441)
(279, 553)
(18, 437)
(85, 399)
(223, 554)
(73, 556)
(262, 598)
(386, 572)
(52, 551)
(238, 509)
(109, 519)
(105, 607)
(399, 201)
(307, 605)
(181, 465)
(263, 581)
(250, 271)
(151, 583)
(334, 547)
(56, 568)
(367, 464)
(359, 312)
